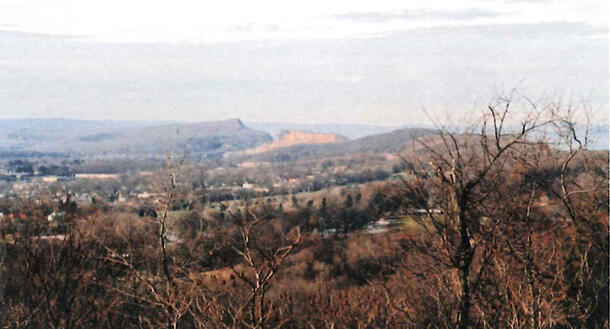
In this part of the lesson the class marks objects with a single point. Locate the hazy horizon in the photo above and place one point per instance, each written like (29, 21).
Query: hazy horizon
(211, 120)
(378, 64)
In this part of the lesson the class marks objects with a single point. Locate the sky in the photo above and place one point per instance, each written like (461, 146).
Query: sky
(376, 62)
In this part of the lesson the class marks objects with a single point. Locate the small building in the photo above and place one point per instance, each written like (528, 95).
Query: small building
(97, 176)
(49, 179)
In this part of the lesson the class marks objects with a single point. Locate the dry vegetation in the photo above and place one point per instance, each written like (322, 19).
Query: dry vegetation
(507, 228)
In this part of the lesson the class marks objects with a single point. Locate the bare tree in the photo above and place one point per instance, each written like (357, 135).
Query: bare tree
(261, 262)
(459, 210)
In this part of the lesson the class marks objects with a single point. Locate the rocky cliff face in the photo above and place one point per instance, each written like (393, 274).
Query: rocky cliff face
(296, 138)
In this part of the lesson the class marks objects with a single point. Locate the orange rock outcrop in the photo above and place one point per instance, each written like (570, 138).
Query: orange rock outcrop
(295, 138)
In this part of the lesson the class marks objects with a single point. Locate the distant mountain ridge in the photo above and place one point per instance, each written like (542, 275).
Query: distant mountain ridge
(128, 138)
(203, 140)
(599, 133)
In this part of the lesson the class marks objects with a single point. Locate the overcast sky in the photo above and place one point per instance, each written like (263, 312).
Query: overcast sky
(378, 62)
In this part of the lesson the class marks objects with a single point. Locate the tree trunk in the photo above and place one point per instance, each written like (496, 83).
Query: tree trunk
(465, 261)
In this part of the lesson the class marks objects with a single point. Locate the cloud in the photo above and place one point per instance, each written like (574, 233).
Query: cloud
(527, 1)
(548, 31)
(383, 79)
(8, 33)
(192, 21)
(251, 27)
(419, 14)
